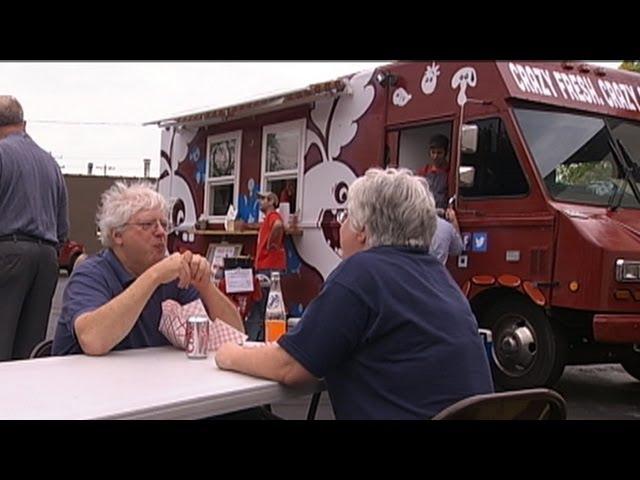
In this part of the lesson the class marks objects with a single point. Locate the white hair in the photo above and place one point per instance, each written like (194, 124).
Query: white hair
(121, 202)
(394, 207)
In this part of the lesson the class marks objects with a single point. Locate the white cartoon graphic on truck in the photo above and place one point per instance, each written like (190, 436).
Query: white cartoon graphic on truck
(171, 184)
(332, 126)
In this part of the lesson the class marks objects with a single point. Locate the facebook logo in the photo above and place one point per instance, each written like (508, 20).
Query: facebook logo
(466, 241)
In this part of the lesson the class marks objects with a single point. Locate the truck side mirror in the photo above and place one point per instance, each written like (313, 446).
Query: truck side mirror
(469, 138)
(466, 176)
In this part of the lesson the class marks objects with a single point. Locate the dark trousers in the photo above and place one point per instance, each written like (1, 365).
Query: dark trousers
(254, 325)
(28, 278)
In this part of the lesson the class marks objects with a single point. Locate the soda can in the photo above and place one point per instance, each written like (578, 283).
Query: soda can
(197, 337)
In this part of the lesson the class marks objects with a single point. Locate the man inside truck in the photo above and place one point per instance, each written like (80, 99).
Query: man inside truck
(437, 171)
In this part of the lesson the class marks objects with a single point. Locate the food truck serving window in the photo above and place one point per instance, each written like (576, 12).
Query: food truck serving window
(575, 155)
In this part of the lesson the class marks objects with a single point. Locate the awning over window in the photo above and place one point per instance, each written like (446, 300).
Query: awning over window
(259, 106)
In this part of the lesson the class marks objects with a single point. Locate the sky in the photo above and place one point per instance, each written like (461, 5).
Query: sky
(93, 111)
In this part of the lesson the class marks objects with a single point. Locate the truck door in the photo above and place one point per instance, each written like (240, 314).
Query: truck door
(506, 228)
(506, 270)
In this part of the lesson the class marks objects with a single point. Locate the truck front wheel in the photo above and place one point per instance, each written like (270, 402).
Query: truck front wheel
(528, 350)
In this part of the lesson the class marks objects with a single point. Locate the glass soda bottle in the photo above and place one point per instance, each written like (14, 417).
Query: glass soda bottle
(275, 319)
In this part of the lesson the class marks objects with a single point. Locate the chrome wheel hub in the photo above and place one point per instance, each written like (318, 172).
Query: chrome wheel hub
(515, 346)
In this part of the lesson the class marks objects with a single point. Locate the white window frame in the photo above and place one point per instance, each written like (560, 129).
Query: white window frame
(299, 126)
(235, 178)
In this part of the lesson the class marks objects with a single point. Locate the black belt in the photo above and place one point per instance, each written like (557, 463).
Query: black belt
(17, 237)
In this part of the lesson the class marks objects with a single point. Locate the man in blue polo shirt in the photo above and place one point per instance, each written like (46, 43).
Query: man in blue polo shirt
(390, 332)
(113, 300)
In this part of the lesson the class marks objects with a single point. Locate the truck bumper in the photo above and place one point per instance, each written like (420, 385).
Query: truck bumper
(616, 328)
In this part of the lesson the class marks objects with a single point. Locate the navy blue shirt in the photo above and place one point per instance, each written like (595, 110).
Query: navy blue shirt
(95, 282)
(393, 336)
(33, 193)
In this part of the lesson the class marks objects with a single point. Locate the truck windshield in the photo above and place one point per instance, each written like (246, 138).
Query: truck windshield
(575, 156)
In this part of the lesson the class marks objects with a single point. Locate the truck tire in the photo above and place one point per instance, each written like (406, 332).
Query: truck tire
(631, 364)
(528, 351)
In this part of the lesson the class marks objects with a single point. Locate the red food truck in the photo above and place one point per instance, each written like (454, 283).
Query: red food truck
(544, 175)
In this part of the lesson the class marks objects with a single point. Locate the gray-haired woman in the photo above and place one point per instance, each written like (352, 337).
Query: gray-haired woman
(390, 332)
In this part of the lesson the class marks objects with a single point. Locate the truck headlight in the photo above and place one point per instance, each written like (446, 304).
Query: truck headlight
(627, 270)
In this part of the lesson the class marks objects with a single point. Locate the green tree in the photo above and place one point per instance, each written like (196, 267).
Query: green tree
(584, 173)
(631, 65)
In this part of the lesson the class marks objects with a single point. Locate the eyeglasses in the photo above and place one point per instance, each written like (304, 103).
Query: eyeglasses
(152, 225)
(342, 216)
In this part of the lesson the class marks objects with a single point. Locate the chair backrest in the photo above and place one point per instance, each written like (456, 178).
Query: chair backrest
(529, 404)
(43, 349)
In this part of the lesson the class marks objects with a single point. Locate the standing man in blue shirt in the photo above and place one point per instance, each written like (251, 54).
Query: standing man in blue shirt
(446, 239)
(390, 332)
(113, 300)
(33, 224)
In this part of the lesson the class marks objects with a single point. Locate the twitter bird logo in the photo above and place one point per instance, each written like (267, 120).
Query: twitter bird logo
(479, 242)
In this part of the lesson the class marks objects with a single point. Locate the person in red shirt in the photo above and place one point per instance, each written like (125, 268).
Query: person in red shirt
(437, 172)
(270, 257)
(270, 254)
